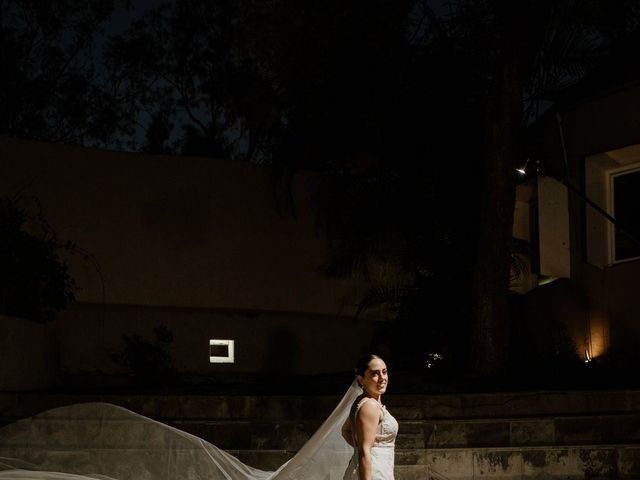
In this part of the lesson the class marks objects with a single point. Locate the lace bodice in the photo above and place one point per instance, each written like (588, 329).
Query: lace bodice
(382, 451)
(387, 428)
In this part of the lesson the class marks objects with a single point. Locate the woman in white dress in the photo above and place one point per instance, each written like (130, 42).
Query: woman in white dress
(370, 429)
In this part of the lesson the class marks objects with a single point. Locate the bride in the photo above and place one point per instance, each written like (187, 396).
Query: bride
(369, 428)
(107, 442)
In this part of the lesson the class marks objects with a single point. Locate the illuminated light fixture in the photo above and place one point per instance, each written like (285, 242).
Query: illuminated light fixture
(546, 280)
(595, 341)
(597, 335)
(433, 358)
(523, 169)
(221, 351)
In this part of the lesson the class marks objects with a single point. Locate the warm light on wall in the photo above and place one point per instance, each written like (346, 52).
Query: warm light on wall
(597, 339)
(221, 351)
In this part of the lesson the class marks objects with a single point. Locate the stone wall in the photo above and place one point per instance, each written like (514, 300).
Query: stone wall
(498, 436)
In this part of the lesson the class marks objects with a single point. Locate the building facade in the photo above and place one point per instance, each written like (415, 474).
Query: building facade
(580, 211)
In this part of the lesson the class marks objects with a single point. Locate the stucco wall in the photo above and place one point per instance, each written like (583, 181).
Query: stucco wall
(177, 231)
(198, 245)
(265, 342)
(601, 310)
(603, 124)
(28, 355)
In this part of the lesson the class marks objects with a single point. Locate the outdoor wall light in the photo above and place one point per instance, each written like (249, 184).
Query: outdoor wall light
(587, 356)
(433, 359)
(523, 169)
(221, 351)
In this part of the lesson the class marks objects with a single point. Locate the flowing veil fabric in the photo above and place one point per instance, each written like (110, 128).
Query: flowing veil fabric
(107, 442)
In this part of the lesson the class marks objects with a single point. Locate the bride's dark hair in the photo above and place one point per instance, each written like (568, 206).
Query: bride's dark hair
(363, 363)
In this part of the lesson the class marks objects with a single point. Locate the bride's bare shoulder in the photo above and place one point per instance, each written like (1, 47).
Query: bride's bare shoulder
(369, 408)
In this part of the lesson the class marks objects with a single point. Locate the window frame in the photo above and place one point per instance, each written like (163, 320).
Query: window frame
(597, 236)
(229, 358)
(611, 174)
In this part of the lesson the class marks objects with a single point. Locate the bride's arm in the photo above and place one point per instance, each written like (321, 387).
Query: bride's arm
(366, 426)
(347, 433)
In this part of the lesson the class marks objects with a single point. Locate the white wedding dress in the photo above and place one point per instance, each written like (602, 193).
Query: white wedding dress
(107, 442)
(383, 449)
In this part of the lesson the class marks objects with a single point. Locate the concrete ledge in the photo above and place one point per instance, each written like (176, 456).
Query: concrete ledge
(181, 407)
(599, 439)
(511, 405)
(566, 462)
(496, 406)
(576, 430)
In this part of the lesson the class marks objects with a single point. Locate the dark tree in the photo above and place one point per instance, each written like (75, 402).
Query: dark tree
(52, 85)
(524, 51)
(272, 82)
(34, 279)
(413, 117)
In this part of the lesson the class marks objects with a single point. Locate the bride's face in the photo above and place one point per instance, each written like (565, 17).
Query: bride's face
(375, 379)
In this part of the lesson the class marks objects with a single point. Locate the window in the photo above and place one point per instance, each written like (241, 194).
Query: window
(612, 181)
(221, 351)
(624, 197)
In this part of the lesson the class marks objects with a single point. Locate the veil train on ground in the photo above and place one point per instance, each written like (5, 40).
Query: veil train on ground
(107, 442)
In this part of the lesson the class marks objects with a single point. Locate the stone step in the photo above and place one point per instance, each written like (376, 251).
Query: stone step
(291, 436)
(575, 430)
(14, 406)
(603, 429)
(513, 405)
(295, 408)
(496, 462)
(551, 462)
(483, 436)
(554, 462)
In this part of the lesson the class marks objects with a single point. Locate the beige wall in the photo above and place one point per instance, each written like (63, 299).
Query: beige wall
(177, 231)
(28, 355)
(265, 342)
(194, 244)
(77, 349)
(598, 126)
(600, 305)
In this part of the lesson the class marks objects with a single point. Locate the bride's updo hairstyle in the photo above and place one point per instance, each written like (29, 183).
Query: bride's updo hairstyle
(363, 363)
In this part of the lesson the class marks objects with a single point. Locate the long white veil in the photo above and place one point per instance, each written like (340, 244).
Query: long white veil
(104, 441)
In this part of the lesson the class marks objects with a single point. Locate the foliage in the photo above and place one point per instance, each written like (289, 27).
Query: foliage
(520, 53)
(51, 84)
(497, 64)
(413, 115)
(261, 81)
(387, 226)
(148, 361)
(34, 281)
(174, 65)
